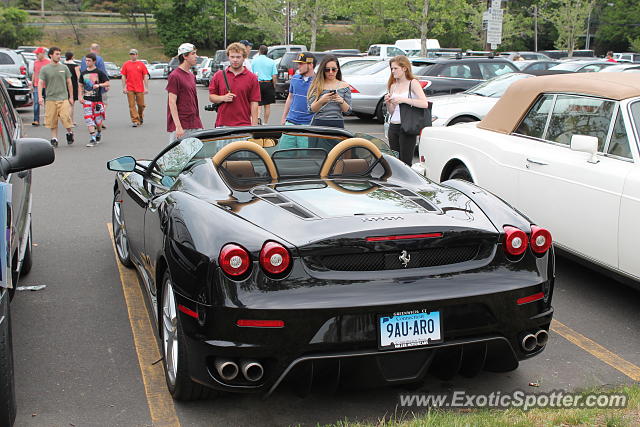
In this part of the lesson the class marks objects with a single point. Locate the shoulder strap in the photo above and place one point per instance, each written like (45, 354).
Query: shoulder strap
(226, 82)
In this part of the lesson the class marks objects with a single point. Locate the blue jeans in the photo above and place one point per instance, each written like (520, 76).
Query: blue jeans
(36, 105)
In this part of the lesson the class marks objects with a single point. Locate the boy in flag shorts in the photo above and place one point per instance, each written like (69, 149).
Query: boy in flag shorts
(92, 81)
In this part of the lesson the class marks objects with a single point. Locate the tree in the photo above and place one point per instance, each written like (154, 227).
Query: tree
(635, 44)
(618, 24)
(13, 29)
(570, 19)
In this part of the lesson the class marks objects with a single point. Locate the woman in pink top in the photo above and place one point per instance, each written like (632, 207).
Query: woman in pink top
(40, 62)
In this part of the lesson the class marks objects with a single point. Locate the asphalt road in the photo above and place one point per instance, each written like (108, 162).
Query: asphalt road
(77, 361)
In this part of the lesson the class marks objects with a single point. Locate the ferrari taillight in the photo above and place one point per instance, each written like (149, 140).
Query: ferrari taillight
(353, 89)
(515, 240)
(234, 260)
(274, 258)
(540, 239)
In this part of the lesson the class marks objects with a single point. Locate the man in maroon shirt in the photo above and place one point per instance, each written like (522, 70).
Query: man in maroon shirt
(183, 115)
(239, 104)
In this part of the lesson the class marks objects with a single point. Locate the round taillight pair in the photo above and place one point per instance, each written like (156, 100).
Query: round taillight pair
(235, 260)
(274, 258)
(515, 241)
(540, 239)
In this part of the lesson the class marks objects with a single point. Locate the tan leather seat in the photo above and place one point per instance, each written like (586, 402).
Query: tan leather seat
(234, 147)
(239, 168)
(350, 167)
(337, 152)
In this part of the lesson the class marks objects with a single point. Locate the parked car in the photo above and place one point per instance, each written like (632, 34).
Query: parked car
(27, 48)
(582, 66)
(622, 67)
(627, 57)
(286, 69)
(113, 71)
(262, 262)
(537, 56)
(472, 104)
(557, 54)
(204, 68)
(349, 64)
(278, 51)
(534, 65)
(157, 71)
(11, 62)
(173, 64)
(385, 51)
(219, 58)
(563, 149)
(345, 51)
(19, 89)
(18, 156)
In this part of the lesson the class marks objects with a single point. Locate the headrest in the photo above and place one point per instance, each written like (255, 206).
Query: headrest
(350, 167)
(239, 168)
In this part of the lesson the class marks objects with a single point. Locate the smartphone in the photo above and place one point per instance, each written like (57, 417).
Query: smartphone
(333, 91)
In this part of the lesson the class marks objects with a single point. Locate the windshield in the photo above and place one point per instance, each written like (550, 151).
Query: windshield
(371, 69)
(495, 87)
(568, 66)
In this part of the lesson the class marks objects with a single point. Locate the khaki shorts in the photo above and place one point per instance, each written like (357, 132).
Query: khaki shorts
(55, 110)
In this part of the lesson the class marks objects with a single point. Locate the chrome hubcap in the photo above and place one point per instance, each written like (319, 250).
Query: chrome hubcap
(170, 332)
(119, 232)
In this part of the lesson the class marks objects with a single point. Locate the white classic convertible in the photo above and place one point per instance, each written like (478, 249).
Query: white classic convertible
(564, 150)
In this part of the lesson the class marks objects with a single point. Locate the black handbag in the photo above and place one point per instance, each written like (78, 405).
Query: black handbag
(215, 106)
(413, 119)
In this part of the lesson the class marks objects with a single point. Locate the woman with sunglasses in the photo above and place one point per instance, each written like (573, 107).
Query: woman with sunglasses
(403, 89)
(329, 97)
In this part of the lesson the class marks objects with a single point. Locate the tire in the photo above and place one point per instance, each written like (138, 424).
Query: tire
(7, 382)
(27, 261)
(460, 172)
(120, 232)
(174, 351)
(463, 119)
(381, 110)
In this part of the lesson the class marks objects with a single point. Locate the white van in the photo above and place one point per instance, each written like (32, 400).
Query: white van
(413, 46)
(385, 51)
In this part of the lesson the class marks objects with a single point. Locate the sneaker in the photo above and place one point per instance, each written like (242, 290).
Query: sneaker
(98, 137)
(70, 138)
(135, 125)
(54, 142)
(92, 143)
(104, 126)
(35, 123)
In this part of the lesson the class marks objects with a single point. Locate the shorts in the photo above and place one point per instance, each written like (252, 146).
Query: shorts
(94, 112)
(55, 110)
(267, 93)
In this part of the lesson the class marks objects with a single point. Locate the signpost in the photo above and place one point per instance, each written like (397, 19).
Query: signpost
(494, 16)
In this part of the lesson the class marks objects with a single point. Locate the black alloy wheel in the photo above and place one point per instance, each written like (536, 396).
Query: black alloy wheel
(381, 111)
(7, 382)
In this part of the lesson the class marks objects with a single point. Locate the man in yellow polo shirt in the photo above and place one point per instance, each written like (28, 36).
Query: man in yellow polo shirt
(57, 79)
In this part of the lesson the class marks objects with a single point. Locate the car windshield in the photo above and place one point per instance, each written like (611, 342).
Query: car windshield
(371, 69)
(568, 66)
(110, 66)
(495, 87)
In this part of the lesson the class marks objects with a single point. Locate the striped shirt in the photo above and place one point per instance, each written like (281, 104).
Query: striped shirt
(298, 112)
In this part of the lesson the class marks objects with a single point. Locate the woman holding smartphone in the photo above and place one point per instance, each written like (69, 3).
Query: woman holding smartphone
(329, 97)
(403, 89)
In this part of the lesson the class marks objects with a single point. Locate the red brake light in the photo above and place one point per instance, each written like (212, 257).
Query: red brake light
(291, 71)
(540, 239)
(515, 241)
(425, 83)
(422, 159)
(250, 323)
(530, 298)
(23, 70)
(274, 258)
(353, 89)
(234, 260)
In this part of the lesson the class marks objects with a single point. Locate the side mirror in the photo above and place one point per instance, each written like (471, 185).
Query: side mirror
(586, 144)
(122, 164)
(28, 153)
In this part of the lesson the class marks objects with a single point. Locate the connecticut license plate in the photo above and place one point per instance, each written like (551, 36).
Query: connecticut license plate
(409, 329)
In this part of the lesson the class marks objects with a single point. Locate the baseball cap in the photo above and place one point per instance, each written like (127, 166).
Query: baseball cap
(305, 57)
(246, 42)
(40, 50)
(186, 48)
(133, 52)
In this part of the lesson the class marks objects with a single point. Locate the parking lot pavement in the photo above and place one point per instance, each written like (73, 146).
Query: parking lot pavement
(78, 360)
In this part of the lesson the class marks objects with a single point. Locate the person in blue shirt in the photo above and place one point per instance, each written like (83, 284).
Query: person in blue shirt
(295, 108)
(95, 49)
(265, 68)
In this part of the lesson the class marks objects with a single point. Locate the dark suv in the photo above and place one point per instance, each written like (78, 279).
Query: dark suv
(17, 157)
(287, 68)
(451, 75)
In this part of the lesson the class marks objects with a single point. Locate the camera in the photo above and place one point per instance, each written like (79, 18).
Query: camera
(212, 107)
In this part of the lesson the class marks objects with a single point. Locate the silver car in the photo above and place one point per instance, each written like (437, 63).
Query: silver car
(11, 62)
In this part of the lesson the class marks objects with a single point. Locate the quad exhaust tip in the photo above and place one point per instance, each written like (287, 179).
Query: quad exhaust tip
(542, 337)
(227, 369)
(531, 341)
(251, 370)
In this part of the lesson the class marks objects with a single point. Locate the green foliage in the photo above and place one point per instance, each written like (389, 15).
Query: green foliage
(618, 24)
(569, 18)
(13, 31)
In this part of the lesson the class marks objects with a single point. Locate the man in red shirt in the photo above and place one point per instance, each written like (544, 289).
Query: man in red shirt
(135, 84)
(239, 103)
(183, 115)
(40, 62)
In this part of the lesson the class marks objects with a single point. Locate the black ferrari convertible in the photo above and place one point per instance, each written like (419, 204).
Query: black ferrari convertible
(314, 256)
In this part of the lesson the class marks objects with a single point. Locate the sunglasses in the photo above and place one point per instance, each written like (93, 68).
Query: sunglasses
(330, 69)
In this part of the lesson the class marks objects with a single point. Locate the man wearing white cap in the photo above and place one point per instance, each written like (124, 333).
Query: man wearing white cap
(135, 84)
(183, 114)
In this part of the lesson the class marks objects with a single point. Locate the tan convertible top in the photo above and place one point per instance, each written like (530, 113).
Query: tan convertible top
(505, 116)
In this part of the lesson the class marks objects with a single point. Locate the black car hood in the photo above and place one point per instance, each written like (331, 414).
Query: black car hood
(311, 211)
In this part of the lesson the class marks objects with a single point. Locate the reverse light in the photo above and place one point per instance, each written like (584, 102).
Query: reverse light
(530, 298)
(274, 258)
(251, 323)
(540, 239)
(234, 260)
(515, 241)
(353, 89)
(404, 237)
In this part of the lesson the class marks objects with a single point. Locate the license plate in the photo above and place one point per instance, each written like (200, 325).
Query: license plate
(409, 329)
(21, 97)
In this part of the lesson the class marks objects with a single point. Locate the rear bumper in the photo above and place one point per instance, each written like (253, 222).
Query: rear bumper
(20, 97)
